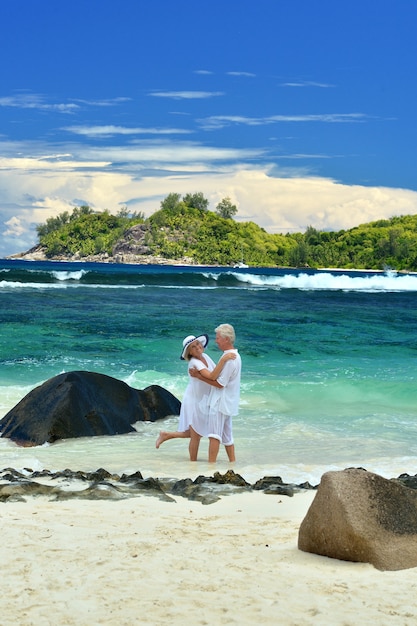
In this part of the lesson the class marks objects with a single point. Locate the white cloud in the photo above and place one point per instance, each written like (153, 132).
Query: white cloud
(40, 102)
(306, 83)
(35, 101)
(108, 131)
(107, 102)
(186, 95)
(220, 121)
(167, 155)
(295, 203)
(15, 228)
(247, 74)
(47, 163)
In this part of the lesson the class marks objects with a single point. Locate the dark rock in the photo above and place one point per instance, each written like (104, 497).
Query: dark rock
(408, 481)
(205, 491)
(230, 478)
(84, 404)
(18, 491)
(193, 491)
(267, 481)
(133, 241)
(280, 490)
(93, 492)
(275, 486)
(124, 478)
(209, 489)
(360, 516)
(307, 485)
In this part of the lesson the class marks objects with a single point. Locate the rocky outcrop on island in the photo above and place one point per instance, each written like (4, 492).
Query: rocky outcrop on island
(130, 248)
(133, 243)
(84, 404)
(37, 253)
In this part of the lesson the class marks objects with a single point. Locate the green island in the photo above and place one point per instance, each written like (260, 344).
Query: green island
(185, 231)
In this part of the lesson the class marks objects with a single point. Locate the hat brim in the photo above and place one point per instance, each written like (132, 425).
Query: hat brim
(203, 339)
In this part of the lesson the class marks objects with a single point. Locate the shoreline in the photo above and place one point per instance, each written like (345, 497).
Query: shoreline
(38, 256)
(101, 258)
(66, 485)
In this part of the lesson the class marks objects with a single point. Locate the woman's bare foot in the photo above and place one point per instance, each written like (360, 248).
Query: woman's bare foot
(161, 438)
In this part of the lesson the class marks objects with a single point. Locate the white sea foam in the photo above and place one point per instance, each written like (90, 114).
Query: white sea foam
(69, 275)
(259, 278)
(329, 281)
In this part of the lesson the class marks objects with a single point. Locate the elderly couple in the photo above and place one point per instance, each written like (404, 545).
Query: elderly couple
(211, 398)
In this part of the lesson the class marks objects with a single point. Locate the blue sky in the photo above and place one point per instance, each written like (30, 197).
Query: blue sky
(302, 112)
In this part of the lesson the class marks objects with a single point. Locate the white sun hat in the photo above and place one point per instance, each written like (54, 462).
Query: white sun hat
(203, 339)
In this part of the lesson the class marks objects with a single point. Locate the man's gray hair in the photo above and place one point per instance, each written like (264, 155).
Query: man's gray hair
(227, 331)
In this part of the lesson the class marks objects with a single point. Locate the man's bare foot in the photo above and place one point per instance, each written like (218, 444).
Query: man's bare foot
(161, 438)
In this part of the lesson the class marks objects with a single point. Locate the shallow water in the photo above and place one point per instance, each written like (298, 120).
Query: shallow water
(328, 380)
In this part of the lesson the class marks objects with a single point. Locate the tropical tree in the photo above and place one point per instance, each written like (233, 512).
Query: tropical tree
(171, 201)
(196, 201)
(226, 209)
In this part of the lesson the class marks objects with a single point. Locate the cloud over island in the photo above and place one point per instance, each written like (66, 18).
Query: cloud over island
(140, 175)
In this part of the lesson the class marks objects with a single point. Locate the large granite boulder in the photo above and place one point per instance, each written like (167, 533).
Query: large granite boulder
(84, 404)
(363, 517)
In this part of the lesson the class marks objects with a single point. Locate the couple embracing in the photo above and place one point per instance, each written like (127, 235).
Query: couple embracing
(211, 398)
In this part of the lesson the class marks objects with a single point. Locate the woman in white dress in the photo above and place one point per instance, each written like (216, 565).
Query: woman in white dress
(196, 390)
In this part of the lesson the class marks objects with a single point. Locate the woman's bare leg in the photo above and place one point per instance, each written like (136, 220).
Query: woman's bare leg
(165, 435)
(194, 444)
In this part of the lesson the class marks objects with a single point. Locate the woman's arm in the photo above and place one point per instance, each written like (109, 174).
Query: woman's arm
(213, 375)
(213, 383)
(210, 377)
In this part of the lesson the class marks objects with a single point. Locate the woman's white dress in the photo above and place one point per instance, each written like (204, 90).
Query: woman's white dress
(194, 393)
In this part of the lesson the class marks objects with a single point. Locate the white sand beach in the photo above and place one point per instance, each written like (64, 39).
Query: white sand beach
(146, 561)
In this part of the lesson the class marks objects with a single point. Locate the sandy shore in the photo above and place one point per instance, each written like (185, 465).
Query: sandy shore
(145, 561)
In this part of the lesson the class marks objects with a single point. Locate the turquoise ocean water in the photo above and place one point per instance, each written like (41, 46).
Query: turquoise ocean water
(329, 361)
